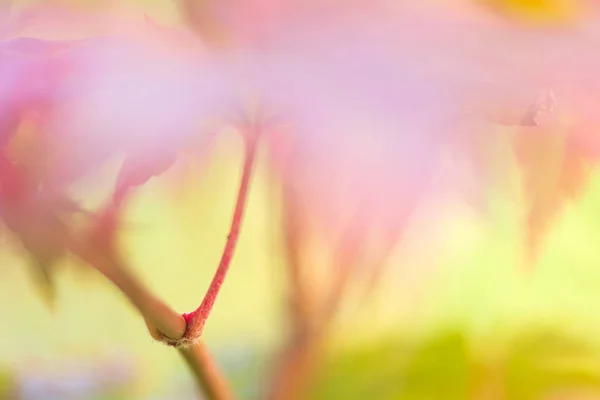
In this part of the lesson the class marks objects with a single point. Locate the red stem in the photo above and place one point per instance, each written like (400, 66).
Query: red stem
(197, 318)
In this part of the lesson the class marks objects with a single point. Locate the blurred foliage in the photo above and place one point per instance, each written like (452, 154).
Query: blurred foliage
(173, 243)
(536, 364)
(391, 369)
(180, 244)
(505, 311)
(7, 384)
(539, 11)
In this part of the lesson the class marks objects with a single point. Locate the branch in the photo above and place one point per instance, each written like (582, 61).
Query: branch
(161, 320)
(298, 363)
(197, 318)
(346, 260)
(158, 316)
(212, 382)
(164, 324)
(297, 366)
(301, 304)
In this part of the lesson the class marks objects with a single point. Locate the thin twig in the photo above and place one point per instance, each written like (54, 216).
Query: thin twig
(298, 362)
(301, 307)
(197, 318)
(164, 324)
(296, 368)
(346, 260)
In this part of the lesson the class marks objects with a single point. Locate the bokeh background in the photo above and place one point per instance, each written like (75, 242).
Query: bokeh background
(459, 315)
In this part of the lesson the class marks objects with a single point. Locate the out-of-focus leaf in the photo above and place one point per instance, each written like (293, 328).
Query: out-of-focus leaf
(541, 154)
(555, 172)
(537, 363)
(415, 100)
(374, 371)
(40, 225)
(394, 369)
(539, 11)
(541, 362)
(33, 209)
(439, 369)
(66, 107)
(555, 159)
(138, 169)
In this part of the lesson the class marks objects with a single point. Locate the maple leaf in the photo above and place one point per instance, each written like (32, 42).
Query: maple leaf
(555, 167)
(371, 110)
(137, 169)
(51, 137)
(38, 219)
